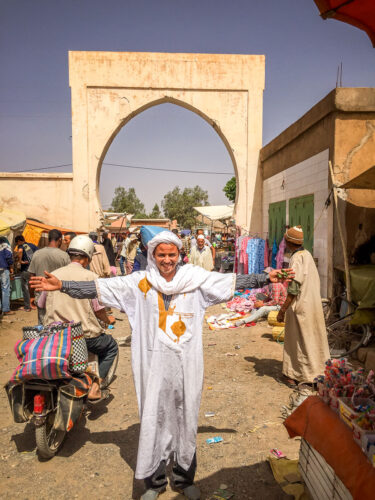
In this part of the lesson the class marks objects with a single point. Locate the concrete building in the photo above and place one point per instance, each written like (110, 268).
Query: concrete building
(296, 179)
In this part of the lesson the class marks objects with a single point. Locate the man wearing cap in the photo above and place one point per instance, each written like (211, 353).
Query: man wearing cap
(165, 305)
(201, 254)
(61, 307)
(305, 346)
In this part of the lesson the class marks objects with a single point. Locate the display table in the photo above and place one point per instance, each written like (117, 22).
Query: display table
(320, 479)
(323, 430)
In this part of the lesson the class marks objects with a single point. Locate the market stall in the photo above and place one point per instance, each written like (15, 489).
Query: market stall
(37, 233)
(337, 455)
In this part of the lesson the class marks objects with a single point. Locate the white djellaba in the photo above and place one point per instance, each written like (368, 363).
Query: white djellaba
(167, 353)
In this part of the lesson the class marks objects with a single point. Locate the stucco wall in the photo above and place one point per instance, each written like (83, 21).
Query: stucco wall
(307, 177)
(46, 197)
(110, 88)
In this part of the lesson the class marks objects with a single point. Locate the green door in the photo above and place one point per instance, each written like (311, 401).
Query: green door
(301, 213)
(276, 221)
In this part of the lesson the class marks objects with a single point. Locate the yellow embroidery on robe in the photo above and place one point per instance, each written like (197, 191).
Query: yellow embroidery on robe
(178, 328)
(163, 314)
(145, 286)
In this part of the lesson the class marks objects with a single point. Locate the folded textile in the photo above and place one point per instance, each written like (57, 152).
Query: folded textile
(224, 321)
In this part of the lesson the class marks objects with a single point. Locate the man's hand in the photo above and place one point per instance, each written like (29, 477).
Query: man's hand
(281, 317)
(48, 284)
(258, 304)
(281, 275)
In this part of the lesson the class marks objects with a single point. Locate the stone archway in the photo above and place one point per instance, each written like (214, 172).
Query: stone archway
(110, 88)
(146, 107)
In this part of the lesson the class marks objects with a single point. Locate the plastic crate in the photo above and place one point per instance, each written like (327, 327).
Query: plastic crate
(319, 477)
(347, 414)
(363, 438)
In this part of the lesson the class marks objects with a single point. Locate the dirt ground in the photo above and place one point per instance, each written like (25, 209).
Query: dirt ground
(98, 457)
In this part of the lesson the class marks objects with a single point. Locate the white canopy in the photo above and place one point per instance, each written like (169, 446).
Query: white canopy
(216, 212)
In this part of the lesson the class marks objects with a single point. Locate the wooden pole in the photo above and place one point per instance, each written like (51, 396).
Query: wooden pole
(343, 243)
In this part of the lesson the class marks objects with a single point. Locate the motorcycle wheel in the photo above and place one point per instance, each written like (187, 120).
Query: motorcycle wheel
(111, 374)
(48, 439)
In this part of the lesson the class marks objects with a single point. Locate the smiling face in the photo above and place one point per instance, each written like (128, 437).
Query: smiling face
(200, 242)
(166, 257)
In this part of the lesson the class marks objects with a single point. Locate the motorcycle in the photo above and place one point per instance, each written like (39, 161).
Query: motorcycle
(54, 406)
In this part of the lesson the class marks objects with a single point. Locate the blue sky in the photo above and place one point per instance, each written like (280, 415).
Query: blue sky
(302, 54)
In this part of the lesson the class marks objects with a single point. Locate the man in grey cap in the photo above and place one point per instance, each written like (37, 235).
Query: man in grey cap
(99, 263)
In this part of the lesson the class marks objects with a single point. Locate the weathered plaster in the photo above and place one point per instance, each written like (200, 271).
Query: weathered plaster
(110, 88)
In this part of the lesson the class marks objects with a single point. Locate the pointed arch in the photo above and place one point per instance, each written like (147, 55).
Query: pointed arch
(151, 104)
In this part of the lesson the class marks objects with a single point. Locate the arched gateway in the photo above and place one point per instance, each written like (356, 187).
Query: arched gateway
(110, 88)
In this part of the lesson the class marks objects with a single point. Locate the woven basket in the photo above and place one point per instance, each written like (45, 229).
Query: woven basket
(272, 319)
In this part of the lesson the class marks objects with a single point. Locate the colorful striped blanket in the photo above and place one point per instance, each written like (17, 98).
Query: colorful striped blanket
(46, 357)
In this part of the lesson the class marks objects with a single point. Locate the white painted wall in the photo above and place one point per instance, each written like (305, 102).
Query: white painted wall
(308, 177)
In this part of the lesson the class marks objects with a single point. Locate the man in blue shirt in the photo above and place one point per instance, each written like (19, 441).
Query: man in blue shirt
(6, 270)
(25, 252)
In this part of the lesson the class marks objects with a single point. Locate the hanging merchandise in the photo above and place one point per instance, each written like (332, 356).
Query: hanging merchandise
(244, 257)
(280, 255)
(266, 254)
(274, 253)
(255, 253)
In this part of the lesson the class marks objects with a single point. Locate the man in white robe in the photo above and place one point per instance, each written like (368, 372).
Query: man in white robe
(306, 344)
(165, 305)
(201, 255)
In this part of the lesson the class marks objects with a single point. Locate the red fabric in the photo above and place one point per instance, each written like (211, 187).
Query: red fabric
(358, 13)
(322, 428)
(278, 295)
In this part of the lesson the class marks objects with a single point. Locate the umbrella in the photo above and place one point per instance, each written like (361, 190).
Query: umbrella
(359, 13)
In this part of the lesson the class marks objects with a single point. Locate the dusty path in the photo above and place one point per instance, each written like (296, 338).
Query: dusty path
(98, 457)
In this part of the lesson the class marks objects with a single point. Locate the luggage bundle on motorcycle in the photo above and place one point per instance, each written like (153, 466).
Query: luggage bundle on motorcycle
(52, 352)
(50, 386)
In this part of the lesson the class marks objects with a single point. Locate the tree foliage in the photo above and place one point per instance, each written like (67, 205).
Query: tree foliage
(179, 204)
(230, 189)
(127, 201)
(155, 212)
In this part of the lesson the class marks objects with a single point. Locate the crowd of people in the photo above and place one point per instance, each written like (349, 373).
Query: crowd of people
(167, 282)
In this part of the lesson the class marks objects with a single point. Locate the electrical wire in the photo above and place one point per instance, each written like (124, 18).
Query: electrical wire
(41, 168)
(135, 167)
(168, 169)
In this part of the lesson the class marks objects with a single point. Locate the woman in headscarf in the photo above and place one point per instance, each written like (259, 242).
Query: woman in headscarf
(165, 305)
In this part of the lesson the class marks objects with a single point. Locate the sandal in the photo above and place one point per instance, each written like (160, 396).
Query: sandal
(152, 494)
(293, 384)
(9, 313)
(104, 395)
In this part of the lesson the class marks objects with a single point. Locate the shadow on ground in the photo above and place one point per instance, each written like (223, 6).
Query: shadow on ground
(266, 367)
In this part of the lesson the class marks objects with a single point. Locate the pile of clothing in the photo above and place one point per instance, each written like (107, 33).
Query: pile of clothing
(243, 301)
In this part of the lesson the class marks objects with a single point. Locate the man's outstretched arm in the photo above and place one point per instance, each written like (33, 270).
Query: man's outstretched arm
(251, 280)
(75, 289)
(263, 279)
